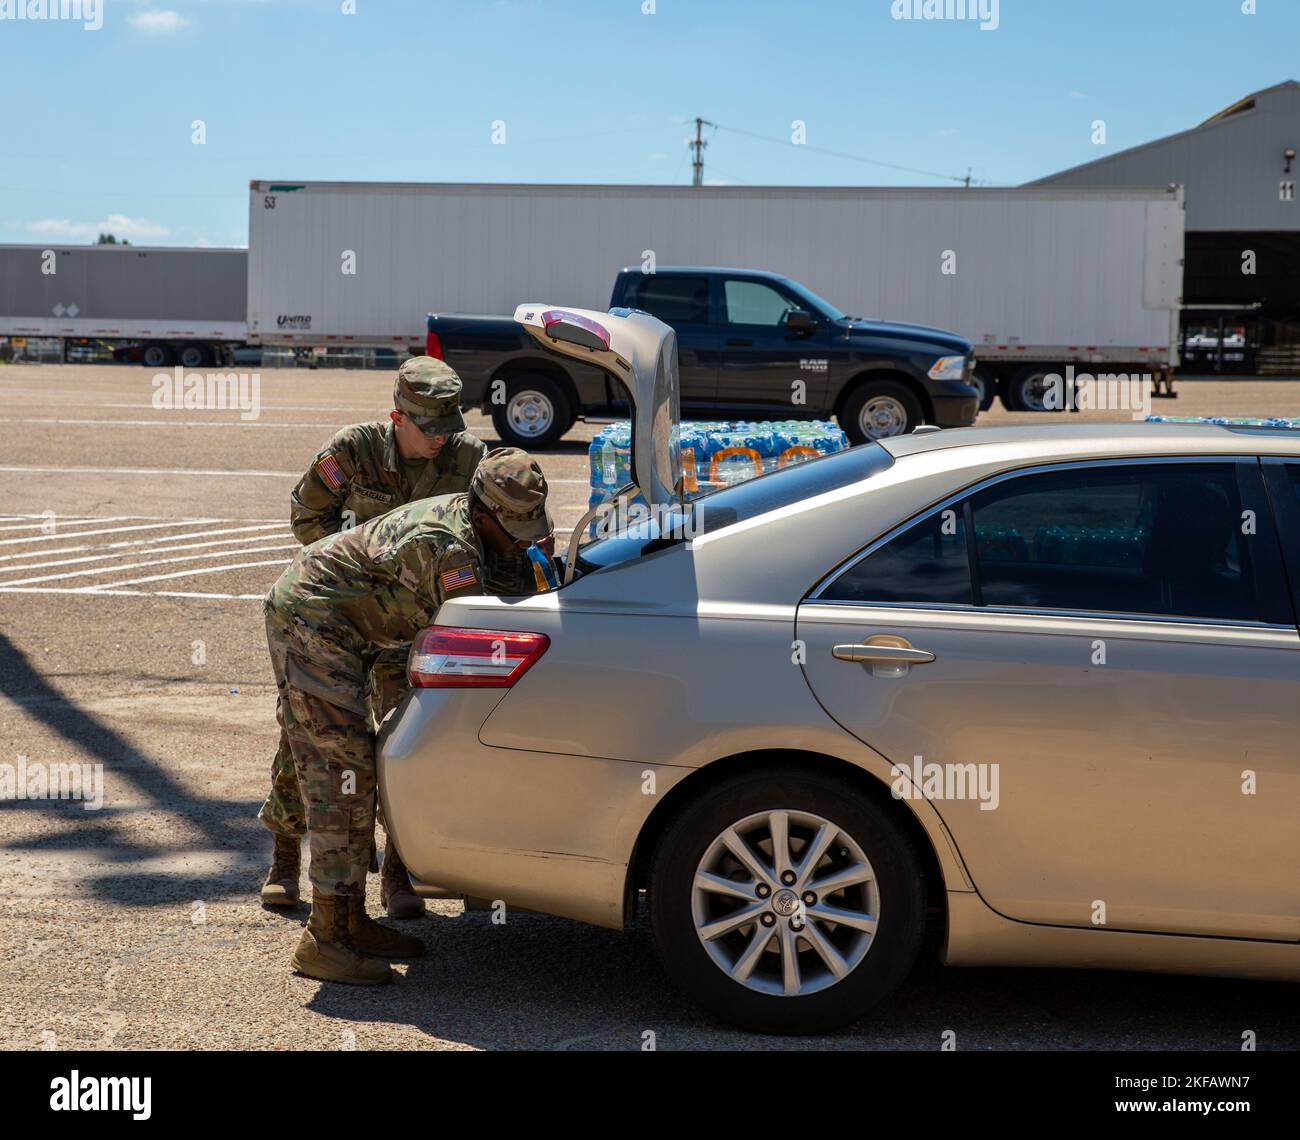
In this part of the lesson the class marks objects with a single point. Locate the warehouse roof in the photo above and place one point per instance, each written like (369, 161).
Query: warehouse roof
(1229, 113)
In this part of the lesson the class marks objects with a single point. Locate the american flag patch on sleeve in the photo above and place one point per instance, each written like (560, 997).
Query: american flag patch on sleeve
(458, 578)
(330, 471)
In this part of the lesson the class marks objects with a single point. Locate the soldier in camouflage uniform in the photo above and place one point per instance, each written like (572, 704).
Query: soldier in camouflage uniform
(343, 601)
(365, 471)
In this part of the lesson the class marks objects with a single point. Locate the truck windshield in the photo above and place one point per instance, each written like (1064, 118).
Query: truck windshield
(815, 303)
(734, 504)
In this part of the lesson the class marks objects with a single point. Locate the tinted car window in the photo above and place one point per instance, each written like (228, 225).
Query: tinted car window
(744, 501)
(674, 300)
(753, 303)
(1159, 539)
(926, 564)
(1162, 539)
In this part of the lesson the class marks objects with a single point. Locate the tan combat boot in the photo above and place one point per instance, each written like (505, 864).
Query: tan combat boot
(281, 886)
(377, 940)
(395, 891)
(327, 950)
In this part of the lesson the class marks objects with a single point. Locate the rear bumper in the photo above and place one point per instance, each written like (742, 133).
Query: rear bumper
(541, 830)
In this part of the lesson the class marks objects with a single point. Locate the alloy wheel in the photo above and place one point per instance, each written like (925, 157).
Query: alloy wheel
(785, 902)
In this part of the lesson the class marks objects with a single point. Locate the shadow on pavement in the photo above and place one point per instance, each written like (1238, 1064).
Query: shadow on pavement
(225, 824)
(544, 983)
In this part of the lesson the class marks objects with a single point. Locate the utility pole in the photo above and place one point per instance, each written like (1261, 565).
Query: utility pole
(698, 146)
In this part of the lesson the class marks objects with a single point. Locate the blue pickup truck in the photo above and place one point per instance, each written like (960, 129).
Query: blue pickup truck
(751, 345)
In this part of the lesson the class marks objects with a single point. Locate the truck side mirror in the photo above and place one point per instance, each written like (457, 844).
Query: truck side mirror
(799, 321)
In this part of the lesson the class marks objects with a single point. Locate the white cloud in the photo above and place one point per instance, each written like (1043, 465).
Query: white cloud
(157, 22)
(119, 225)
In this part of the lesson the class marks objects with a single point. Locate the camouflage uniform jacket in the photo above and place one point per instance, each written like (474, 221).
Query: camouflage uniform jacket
(374, 587)
(361, 471)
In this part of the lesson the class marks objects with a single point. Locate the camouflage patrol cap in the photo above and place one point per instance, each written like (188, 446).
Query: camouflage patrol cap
(513, 488)
(428, 391)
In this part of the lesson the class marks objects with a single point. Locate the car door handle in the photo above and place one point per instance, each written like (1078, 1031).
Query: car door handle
(889, 654)
(739, 342)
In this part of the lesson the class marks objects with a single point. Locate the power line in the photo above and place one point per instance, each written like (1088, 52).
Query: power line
(965, 180)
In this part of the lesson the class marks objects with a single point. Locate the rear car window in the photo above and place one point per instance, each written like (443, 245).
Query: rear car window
(1161, 540)
(926, 565)
(739, 503)
(1164, 539)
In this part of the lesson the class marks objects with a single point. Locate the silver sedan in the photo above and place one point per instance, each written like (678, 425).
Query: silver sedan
(1037, 692)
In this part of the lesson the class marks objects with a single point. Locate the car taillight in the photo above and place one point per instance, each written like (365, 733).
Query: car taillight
(575, 329)
(433, 346)
(448, 657)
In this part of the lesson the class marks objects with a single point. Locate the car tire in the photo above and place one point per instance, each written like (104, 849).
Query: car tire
(985, 382)
(1024, 392)
(192, 356)
(880, 409)
(534, 414)
(877, 962)
(155, 356)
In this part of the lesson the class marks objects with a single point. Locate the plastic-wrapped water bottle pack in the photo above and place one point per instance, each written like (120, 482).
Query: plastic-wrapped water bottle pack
(716, 453)
(1230, 421)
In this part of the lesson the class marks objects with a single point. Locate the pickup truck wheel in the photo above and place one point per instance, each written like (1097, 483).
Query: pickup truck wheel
(985, 383)
(535, 414)
(785, 901)
(879, 409)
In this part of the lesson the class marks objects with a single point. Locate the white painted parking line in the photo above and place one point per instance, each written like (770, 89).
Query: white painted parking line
(195, 573)
(92, 592)
(108, 530)
(86, 561)
(191, 471)
(158, 562)
(100, 566)
(233, 545)
(160, 542)
(59, 520)
(328, 427)
(148, 471)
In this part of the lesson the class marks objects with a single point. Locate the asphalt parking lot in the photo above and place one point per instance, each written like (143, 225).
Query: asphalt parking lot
(134, 544)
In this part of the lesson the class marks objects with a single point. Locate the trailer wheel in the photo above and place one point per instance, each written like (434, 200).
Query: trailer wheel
(1028, 390)
(192, 356)
(534, 414)
(879, 409)
(156, 356)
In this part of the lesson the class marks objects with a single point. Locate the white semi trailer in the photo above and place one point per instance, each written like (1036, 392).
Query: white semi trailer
(155, 305)
(1038, 279)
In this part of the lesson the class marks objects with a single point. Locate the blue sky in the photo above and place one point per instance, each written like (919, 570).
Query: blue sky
(98, 124)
